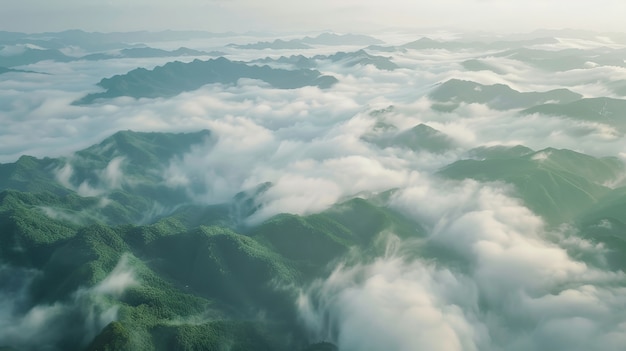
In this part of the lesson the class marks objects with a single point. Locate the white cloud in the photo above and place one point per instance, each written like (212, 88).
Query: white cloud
(406, 309)
(514, 287)
(505, 281)
(74, 321)
(119, 280)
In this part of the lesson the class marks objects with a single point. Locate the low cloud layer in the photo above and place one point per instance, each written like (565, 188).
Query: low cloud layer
(503, 280)
(502, 283)
(61, 325)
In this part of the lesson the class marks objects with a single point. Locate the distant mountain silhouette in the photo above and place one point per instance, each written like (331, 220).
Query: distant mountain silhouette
(177, 77)
(360, 57)
(418, 138)
(426, 43)
(277, 44)
(603, 110)
(567, 59)
(558, 184)
(95, 41)
(341, 39)
(147, 52)
(30, 56)
(450, 94)
(348, 59)
(304, 43)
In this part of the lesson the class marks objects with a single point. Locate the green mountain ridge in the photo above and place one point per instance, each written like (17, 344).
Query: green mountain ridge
(122, 177)
(148, 52)
(426, 43)
(396, 235)
(176, 77)
(450, 94)
(559, 185)
(277, 44)
(499, 151)
(477, 65)
(348, 59)
(30, 56)
(602, 110)
(304, 43)
(184, 272)
(566, 59)
(4, 70)
(193, 278)
(186, 280)
(96, 41)
(360, 57)
(418, 138)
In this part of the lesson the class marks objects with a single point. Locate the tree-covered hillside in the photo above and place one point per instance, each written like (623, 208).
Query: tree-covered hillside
(189, 279)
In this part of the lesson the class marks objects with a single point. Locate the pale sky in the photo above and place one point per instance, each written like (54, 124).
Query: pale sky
(297, 15)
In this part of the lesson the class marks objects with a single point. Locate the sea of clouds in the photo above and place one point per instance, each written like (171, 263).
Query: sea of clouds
(511, 283)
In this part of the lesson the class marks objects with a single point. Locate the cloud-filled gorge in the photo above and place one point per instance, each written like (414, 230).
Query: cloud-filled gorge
(489, 221)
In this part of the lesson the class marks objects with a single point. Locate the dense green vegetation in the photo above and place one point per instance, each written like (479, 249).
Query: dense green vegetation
(196, 277)
(192, 279)
(450, 94)
(176, 77)
(140, 242)
(557, 184)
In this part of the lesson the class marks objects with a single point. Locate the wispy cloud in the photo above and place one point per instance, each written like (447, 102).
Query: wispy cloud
(75, 321)
(503, 283)
(506, 281)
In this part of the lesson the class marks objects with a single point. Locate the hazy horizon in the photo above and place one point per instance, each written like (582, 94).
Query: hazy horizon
(277, 16)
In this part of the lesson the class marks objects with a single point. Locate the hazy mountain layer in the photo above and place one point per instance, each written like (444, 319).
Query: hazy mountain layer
(601, 110)
(426, 43)
(567, 59)
(120, 285)
(29, 56)
(419, 138)
(450, 94)
(558, 184)
(7, 70)
(146, 53)
(177, 77)
(277, 44)
(94, 41)
(304, 43)
(348, 59)
(25, 55)
(136, 280)
(391, 212)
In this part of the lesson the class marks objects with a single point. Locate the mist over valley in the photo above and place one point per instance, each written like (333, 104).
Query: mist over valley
(320, 190)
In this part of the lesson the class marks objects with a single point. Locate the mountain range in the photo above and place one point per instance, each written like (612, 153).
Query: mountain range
(465, 193)
(604, 110)
(28, 55)
(176, 77)
(192, 264)
(306, 42)
(347, 59)
(450, 94)
(197, 265)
